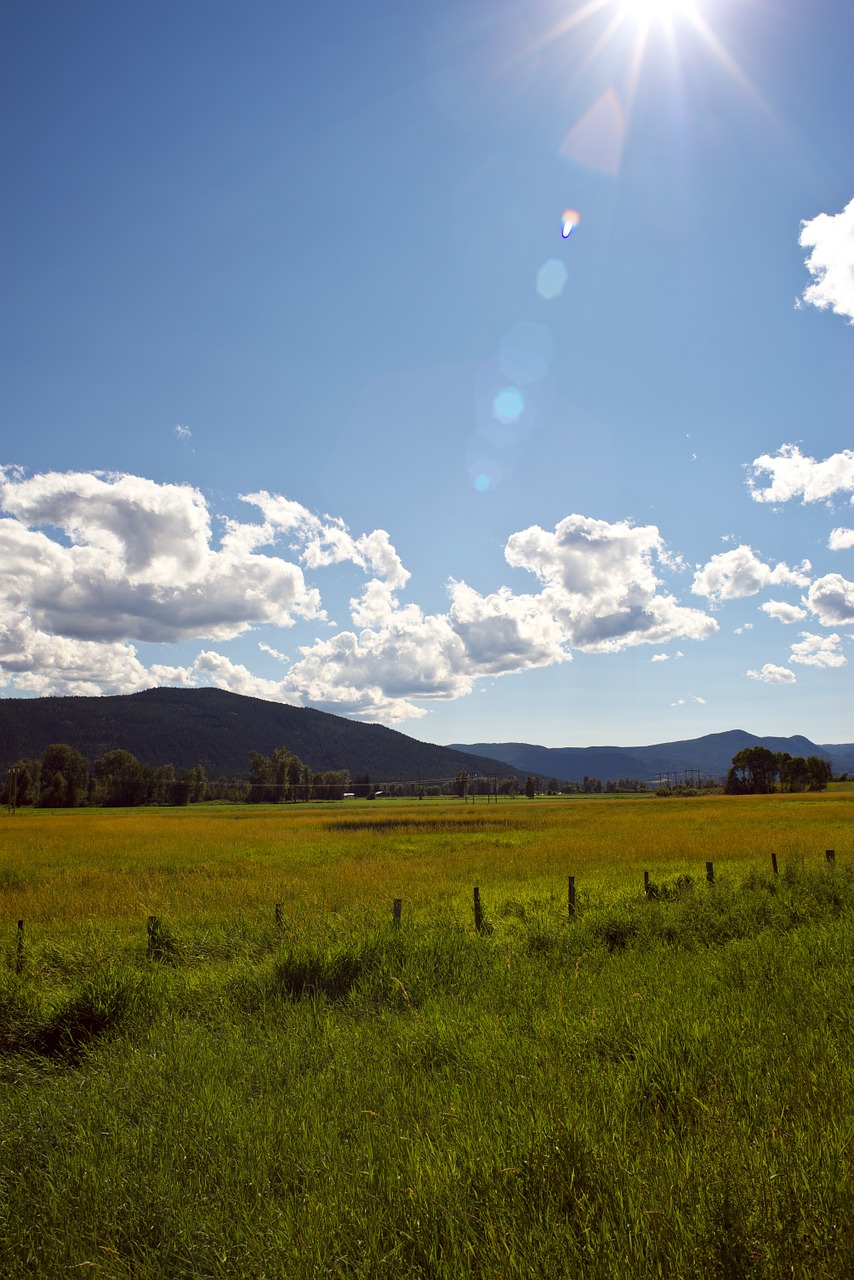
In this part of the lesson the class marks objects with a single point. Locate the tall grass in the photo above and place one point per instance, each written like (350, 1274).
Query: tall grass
(661, 1087)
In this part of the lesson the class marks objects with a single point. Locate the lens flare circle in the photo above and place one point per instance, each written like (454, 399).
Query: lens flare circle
(551, 279)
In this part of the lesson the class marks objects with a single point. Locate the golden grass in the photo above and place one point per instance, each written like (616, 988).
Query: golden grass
(102, 867)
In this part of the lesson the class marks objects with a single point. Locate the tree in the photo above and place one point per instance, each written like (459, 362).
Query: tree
(461, 782)
(753, 772)
(531, 786)
(819, 773)
(163, 785)
(122, 780)
(64, 777)
(22, 783)
(262, 779)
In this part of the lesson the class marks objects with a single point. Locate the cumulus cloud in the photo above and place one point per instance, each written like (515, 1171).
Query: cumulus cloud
(599, 592)
(600, 584)
(91, 563)
(771, 674)
(795, 476)
(840, 539)
(831, 598)
(818, 651)
(732, 575)
(783, 611)
(830, 239)
(140, 564)
(326, 540)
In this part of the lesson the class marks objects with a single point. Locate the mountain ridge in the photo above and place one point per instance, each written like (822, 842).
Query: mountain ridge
(711, 754)
(218, 729)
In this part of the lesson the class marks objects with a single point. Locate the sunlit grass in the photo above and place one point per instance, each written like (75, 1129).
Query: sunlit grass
(660, 1087)
(96, 866)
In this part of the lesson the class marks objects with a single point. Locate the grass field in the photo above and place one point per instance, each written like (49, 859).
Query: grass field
(662, 1086)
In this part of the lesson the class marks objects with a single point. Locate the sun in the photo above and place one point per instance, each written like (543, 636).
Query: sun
(652, 10)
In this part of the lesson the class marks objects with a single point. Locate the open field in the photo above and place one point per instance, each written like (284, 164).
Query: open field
(656, 1088)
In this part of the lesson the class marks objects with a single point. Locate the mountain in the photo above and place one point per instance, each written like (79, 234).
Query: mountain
(712, 755)
(185, 727)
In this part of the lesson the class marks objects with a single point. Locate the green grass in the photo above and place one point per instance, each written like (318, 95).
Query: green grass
(661, 1087)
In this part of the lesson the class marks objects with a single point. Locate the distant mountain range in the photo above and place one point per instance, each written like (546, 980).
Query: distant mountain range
(186, 727)
(711, 754)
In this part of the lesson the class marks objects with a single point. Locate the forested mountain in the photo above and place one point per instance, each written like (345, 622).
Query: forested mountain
(711, 755)
(186, 727)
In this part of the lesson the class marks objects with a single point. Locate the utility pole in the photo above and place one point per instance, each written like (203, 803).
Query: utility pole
(13, 789)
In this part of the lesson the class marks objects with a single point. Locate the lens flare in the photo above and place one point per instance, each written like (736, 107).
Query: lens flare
(484, 475)
(508, 405)
(569, 221)
(551, 278)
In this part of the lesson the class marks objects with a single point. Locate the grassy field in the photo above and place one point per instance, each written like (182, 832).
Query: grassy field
(663, 1086)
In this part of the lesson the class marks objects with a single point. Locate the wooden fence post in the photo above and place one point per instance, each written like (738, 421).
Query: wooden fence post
(571, 897)
(710, 872)
(396, 910)
(478, 911)
(774, 864)
(645, 883)
(153, 930)
(830, 856)
(19, 949)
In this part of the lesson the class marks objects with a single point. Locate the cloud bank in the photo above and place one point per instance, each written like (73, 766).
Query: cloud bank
(93, 564)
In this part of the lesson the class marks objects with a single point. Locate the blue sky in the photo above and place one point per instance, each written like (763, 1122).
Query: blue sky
(306, 395)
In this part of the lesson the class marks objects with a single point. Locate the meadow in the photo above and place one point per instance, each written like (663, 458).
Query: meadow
(278, 1081)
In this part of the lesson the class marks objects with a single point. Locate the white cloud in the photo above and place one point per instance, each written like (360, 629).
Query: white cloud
(732, 575)
(771, 674)
(818, 651)
(831, 598)
(274, 653)
(600, 584)
(90, 563)
(660, 657)
(182, 432)
(141, 564)
(783, 611)
(795, 476)
(327, 541)
(599, 592)
(830, 237)
(840, 539)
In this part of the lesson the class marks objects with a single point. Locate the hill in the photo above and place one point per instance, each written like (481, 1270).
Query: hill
(185, 727)
(711, 754)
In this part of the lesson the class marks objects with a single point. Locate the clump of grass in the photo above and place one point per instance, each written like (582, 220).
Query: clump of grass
(108, 1000)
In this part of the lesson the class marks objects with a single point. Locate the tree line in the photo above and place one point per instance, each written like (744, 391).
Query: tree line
(63, 778)
(759, 771)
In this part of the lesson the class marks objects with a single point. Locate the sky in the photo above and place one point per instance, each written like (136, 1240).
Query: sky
(482, 369)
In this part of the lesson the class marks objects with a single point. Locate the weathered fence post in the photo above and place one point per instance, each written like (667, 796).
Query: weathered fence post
(830, 855)
(19, 949)
(710, 872)
(645, 883)
(774, 864)
(396, 910)
(153, 930)
(571, 897)
(478, 911)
